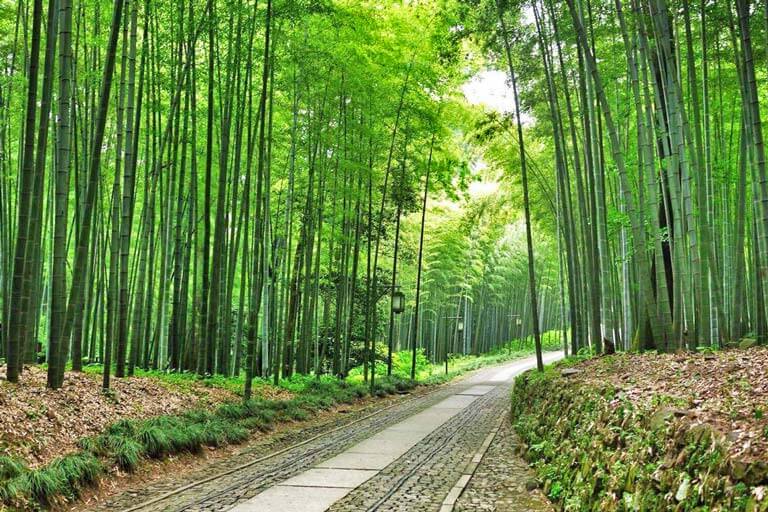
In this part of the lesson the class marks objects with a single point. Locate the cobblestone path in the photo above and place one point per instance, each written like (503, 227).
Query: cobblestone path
(503, 482)
(417, 476)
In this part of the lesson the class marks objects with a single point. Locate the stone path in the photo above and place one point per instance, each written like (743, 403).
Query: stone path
(502, 482)
(416, 456)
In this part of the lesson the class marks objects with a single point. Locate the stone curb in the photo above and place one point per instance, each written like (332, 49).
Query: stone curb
(449, 503)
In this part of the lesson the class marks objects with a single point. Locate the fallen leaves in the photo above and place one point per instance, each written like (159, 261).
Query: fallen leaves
(727, 390)
(39, 424)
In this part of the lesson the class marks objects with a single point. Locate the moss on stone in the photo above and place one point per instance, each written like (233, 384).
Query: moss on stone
(596, 450)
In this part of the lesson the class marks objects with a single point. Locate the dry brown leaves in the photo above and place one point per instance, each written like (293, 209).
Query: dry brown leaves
(727, 390)
(40, 424)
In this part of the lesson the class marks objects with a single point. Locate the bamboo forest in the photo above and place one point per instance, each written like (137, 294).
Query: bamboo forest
(513, 252)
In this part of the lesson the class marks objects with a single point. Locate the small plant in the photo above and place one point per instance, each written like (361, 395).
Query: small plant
(126, 452)
(154, 440)
(122, 427)
(44, 484)
(10, 467)
(78, 469)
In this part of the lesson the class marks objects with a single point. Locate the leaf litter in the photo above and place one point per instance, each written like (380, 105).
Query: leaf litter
(727, 390)
(40, 424)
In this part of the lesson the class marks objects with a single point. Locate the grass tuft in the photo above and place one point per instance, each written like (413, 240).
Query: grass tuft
(12, 490)
(154, 440)
(78, 469)
(122, 428)
(127, 452)
(11, 467)
(44, 484)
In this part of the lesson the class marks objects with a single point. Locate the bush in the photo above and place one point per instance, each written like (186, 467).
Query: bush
(44, 484)
(125, 451)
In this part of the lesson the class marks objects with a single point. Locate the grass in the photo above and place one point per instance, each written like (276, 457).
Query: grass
(127, 443)
(64, 477)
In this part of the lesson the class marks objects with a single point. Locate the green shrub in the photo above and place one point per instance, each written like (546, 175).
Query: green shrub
(125, 451)
(292, 411)
(12, 490)
(122, 428)
(197, 416)
(256, 423)
(221, 432)
(234, 411)
(237, 433)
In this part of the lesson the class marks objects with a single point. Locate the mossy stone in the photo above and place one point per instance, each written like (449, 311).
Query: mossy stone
(746, 343)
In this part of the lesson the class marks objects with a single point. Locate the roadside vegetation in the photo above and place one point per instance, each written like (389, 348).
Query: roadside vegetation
(629, 432)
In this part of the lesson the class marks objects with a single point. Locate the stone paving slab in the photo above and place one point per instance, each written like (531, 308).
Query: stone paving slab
(293, 499)
(330, 477)
(391, 436)
(456, 402)
(477, 390)
(422, 422)
(373, 446)
(357, 460)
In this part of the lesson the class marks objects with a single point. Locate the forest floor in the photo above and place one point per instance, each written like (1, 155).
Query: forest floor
(40, 424)
(658, 431)
(725, 390)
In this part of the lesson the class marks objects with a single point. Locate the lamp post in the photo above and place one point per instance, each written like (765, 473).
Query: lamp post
(398, 302)
(397, 306)
(519, 324)
(459, 332)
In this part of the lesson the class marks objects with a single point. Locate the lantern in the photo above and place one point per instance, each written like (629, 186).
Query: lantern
(460, 325)
(398, 302)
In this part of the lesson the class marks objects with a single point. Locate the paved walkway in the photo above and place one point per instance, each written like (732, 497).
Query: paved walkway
(417, 456)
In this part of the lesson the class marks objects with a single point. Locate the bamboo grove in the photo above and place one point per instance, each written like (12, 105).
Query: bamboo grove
(647, 122)
(218, 186)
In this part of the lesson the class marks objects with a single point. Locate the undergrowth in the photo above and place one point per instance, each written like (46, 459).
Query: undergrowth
(126, 443)
(595, 449)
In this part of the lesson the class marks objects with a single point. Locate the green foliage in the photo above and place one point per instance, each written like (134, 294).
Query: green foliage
(65, 476)
(78, 469)
(11, 467)
(597, 450)
(43, 484)
(154, 440)
(125, 451)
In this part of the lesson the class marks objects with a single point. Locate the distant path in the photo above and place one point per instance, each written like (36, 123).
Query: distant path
(414, 456)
